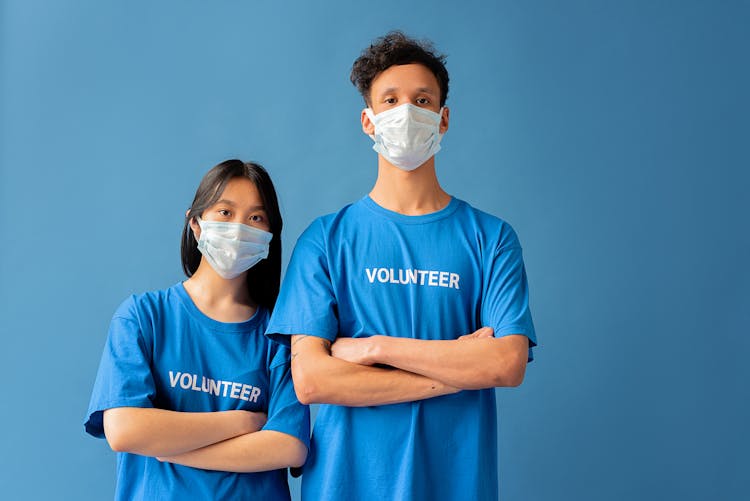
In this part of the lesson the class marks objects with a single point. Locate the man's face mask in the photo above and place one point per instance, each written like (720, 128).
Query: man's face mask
(407, 135)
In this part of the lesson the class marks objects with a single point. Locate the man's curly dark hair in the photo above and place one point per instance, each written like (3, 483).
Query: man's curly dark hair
(395, 48)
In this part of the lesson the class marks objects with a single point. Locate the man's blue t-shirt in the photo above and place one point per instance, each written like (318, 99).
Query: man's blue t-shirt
(366, 270)
(163, 352)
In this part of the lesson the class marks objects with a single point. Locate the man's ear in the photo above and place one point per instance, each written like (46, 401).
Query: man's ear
(367, 126)
(444, 119)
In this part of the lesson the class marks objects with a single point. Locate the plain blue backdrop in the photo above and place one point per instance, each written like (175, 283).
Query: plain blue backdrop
(613, 136)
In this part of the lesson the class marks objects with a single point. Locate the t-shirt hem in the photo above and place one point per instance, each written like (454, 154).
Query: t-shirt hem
(95, 426)
(283, 334)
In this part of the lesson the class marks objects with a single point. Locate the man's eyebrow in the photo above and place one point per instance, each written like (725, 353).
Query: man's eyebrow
(424, 90)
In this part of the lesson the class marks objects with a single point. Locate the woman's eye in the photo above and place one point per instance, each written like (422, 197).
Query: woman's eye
(257, 218)
(224, 212)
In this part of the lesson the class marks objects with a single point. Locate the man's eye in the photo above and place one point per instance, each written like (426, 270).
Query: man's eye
(390, 100)
(423, 100)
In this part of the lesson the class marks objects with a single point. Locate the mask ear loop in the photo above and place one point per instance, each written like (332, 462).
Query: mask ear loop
(371, 115)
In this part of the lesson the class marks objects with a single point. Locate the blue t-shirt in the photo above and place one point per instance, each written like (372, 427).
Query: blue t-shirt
(163, 352)
(366, 270)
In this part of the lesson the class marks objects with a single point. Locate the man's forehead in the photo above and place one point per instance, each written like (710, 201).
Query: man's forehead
(412, 76)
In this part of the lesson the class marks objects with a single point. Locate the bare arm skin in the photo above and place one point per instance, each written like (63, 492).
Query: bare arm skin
(260, 451)
(322, 378)
(474, 361)
(159, 432)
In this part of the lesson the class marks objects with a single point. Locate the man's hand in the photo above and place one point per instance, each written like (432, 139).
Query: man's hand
(364, 350)
(479, 333)
(354, 350)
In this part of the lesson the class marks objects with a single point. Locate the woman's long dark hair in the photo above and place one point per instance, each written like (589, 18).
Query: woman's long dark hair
(263, 278)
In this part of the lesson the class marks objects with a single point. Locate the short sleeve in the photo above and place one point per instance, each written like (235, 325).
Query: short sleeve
(285, 413)
(306, 302)
(505, 305)
(124, 378)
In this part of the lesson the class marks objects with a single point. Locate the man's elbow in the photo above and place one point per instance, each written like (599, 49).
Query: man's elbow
(511, 374)
(306, 384)
(305, 393)
(514, 377)
(514, 374)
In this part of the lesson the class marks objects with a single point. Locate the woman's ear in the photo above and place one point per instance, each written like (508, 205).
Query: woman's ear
(194, 226)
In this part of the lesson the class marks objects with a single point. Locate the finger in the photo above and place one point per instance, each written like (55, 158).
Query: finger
(484, 332)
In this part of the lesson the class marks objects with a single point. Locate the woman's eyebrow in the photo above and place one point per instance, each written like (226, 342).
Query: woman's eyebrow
(233, 204)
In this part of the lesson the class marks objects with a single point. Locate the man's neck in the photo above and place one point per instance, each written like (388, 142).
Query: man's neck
(412, 193)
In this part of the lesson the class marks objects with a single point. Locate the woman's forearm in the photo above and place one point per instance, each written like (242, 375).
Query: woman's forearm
(160, 432)
(260, 451)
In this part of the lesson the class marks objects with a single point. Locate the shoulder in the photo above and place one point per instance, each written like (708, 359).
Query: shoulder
(328, 228)
(328, 223)
(148, 305)
(492, 229)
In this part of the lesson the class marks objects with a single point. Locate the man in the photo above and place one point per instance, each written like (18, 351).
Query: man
(384, 300)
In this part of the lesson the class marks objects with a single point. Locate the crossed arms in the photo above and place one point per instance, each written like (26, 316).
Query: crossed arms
(227, 441)
(343, 373)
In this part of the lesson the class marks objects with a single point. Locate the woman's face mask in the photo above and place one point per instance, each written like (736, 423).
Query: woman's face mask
(232, 248)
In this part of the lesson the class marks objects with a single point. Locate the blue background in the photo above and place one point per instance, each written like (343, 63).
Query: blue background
(612, 135)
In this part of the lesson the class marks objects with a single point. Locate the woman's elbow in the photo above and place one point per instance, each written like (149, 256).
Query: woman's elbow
(298, 455)
(117, 432)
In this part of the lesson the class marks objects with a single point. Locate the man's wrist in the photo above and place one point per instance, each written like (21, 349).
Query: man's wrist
(377, 349)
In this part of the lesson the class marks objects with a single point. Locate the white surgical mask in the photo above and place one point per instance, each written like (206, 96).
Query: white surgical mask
(232, 248)
(407, 135)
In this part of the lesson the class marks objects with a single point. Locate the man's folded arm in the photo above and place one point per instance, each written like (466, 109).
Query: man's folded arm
(321, 378)
(474, 361)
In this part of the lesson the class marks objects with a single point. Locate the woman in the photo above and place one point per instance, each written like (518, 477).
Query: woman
(197, 402)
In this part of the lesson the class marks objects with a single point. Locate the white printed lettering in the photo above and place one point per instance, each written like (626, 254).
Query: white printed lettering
(238, 390)
(225, 384)
(245, 391)
(382, 275)
(392, 275)
(402, 279)
(433, 278)
(443, 279)
(371, 274)
(254, 395)
(235, 390)
(411, 276)
(454, 281)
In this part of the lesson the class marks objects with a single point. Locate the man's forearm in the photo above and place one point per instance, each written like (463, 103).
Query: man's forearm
(321, 378)
(260, 451)
(472, 363)
(160, 432)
